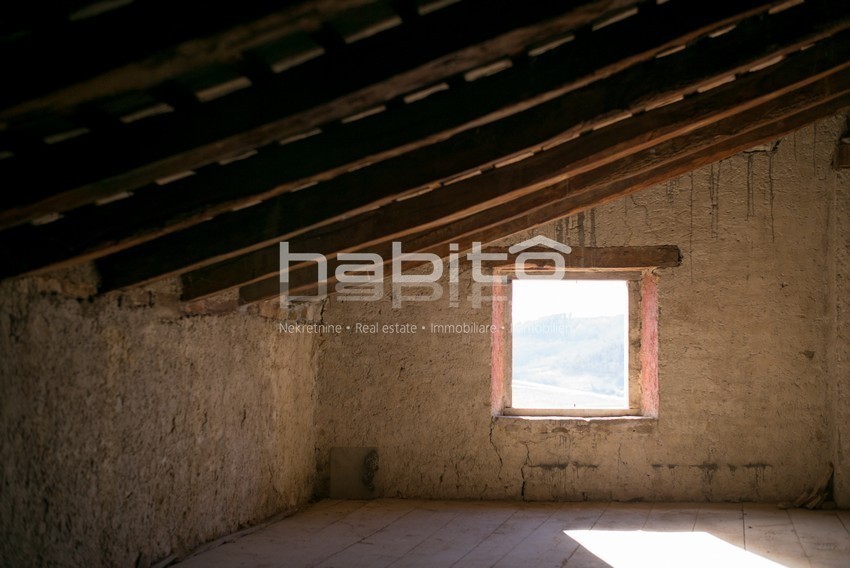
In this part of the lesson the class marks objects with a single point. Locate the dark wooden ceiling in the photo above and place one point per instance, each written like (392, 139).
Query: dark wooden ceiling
(163, 138)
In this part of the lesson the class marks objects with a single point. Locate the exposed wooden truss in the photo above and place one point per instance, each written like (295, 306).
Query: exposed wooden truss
(342, 126)
(621, 178)
(65, 44)
(345, 81)
(400, 133)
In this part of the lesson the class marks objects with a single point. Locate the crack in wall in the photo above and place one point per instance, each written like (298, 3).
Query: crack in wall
(522, 470)
(771, 193)
(593, 227)
(691, 230)
(751, 205)
(672, 190)
(495, 448)
(815, 150)
(562, 230)
(580, 222)
(714, 196)
(643, 209)
(708, 471)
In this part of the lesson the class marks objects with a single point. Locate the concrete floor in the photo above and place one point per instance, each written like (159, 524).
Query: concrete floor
(389, 532)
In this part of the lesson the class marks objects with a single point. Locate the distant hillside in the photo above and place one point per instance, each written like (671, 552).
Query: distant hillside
(576, 353)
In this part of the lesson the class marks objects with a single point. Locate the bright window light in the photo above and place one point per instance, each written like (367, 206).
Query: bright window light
(647, 549)
(570, 347)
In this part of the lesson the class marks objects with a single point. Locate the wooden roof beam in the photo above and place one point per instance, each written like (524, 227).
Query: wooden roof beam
(538, 209)
(205, 243)
(339, 84)
(151, 212)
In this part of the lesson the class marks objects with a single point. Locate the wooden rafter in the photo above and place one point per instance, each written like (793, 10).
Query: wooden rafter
(603, 110)
(625, 176)
(342, 83)
(571, 158)
(153, 212)
(66, 47)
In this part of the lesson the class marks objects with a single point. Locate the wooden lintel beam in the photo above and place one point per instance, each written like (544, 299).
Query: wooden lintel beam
(597, 258)
(581, 261)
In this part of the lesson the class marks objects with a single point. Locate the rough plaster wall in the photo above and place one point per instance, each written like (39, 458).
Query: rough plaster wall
(130, 433)
(745, 398)
(840, 337)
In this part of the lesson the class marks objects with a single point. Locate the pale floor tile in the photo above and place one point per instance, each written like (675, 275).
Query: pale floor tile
(671, 517)
(769, 532)
(823, 537)
(339, 536)
(723, 520)
(624, 517)
(394, 541)
(844, 517)
(583, 558)
(409, 533)
(458, 537)
(549, 545)
(263, 548)
(509, 535)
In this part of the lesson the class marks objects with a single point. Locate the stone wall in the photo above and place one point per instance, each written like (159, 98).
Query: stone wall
(748, 339)
(839, 360)
(129, 433)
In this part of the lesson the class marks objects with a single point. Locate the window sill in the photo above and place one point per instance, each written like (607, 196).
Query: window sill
(625, 419)
(572, 412)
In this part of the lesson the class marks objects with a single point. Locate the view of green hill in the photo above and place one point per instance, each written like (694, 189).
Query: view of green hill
(566, 361)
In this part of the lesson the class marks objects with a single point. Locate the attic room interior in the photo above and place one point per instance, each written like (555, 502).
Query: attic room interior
(425, 283)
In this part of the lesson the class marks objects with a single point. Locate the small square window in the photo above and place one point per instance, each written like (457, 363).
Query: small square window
(570, 344)
(584, 346)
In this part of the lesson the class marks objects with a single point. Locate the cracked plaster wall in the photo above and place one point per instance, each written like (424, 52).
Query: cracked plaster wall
(129, 433)
(752, 361)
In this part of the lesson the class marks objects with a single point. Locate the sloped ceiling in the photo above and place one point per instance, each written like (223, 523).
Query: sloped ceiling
(186, 138)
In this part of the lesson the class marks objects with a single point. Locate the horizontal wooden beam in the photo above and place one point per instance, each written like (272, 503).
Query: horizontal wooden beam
(339, 84)
(104, 56)
(535, 210)
(218, 240)
(560, 200)
(569, 159)
(626, 262)
(95, 231)
(710, 144)
(590, 258)
(54, 54)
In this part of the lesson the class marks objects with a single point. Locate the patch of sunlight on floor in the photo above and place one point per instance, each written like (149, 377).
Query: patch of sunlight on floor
(638, 549)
